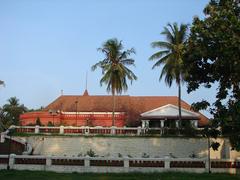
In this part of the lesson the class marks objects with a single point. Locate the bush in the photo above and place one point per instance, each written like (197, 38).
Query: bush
(91, 153)
(38, 122)
(50, 124)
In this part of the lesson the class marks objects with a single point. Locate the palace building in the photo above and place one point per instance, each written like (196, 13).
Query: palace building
(88, 110)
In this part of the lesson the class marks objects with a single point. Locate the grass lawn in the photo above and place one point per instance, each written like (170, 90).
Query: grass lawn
(35, 175)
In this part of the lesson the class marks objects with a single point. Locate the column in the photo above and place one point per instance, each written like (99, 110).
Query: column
(139, 130)
(2, 138)
(113, 130)
(126, 162)
(61, 130)
(177, 123)
(87, 161)
(11, 161)
(162, 123)
(36, 129)
(196, 123)
(143, 124)
(48, 161)
(167, 163)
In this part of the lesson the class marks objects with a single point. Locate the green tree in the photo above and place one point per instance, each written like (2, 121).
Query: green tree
(12, 111)
(2, 118)
(213, 57)
(114, 68)
(171, 56)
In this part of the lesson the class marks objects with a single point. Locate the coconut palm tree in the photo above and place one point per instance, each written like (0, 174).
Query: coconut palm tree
(114, 68)
(13, 110)
(171, 56)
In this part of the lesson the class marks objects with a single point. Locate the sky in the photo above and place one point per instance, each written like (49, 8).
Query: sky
(50, 45)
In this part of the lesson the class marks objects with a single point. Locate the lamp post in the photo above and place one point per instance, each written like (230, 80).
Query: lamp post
(76, 102)
(53, 113)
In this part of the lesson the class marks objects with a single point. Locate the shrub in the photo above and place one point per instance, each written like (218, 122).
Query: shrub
(145, 155)
(50, 124)
(38, 122)
(91, 153)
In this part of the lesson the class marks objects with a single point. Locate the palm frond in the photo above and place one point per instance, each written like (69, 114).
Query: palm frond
(161, 44)
(161, 61)
(127, 62)
(115, 72)
(159, 55)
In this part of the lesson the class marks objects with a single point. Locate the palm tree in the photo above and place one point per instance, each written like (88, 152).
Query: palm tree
(13, 110)
(171, 56)
(114, 68)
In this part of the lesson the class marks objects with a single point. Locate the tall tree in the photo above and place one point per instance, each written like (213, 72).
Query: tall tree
(171, 56)
(12, 111)
(213, 57)
(114, 68)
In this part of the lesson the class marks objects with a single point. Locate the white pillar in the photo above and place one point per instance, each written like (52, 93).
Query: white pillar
(139, 130)
(48, 161)
(177, 123)
(113, 130)
(61, 130)
(162, 123)
(2, 137)
(206, 165)
(36, 129)
(166, 163)
(12, 161)
(126, 162)
(143, 124)
(147, 123)
(87, 162)
(196, 123)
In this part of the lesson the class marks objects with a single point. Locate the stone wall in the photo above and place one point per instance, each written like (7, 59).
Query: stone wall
(117, 165)
(154, 147)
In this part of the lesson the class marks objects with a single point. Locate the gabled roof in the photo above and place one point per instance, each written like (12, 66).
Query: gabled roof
(169, 110)
(134, 106)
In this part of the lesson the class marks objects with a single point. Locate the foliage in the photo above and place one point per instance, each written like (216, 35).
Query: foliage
(145, 155)
(114, 68)
(187, 129)
(50, 124)
(91, 153)
(211, 132)
(171, 56)
(38, 122)
(213, 57)
(10, 112)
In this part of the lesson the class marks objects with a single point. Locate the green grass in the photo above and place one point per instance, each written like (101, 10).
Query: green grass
(41, 175)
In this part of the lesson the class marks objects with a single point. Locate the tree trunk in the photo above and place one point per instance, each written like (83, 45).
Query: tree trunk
(179, 103)
(113, 111)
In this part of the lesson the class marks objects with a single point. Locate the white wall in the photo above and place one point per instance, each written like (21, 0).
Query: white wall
(133, 146)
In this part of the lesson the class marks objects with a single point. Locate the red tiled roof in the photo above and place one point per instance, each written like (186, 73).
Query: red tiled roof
(132, 105)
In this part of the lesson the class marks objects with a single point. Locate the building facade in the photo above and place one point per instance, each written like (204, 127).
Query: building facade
(88, 110)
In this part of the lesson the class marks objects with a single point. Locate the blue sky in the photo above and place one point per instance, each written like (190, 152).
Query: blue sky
(48, 45)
